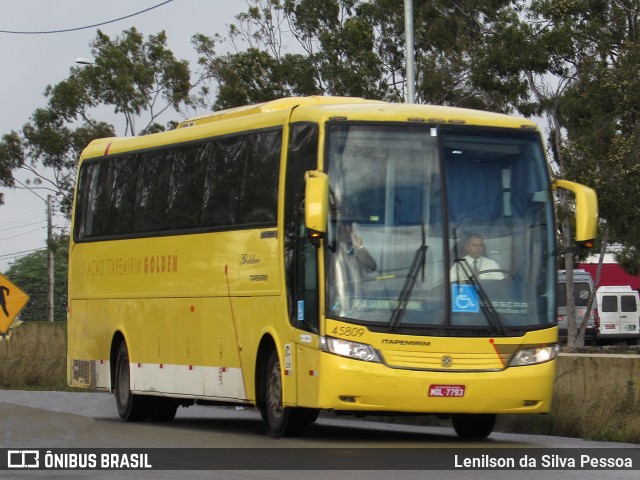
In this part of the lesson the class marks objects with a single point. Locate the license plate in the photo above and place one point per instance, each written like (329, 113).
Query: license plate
(446, 390)
(630, 328)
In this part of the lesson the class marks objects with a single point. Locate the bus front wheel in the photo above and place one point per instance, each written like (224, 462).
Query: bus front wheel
(473, 425)
(281, 420)
(131, 408)
(161, 409)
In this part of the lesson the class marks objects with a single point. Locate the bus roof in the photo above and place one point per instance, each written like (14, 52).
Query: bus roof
(348, 106)
(310, 109)
(274, 105)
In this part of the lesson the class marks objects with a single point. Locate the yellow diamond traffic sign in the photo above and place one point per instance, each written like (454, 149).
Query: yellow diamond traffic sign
(12, 300)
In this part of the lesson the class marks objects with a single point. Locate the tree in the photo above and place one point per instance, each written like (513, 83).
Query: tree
(10, 160)
(356, 48)
(597, 111)
(129, 74)
(49, 148)
(134, 76)
(30, 274)
(604, 124)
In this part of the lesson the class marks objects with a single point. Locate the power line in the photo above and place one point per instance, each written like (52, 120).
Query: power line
(23, 253)
(75, 29)
(26, 188)
(18, 227)
(21, 234)
(18, 215)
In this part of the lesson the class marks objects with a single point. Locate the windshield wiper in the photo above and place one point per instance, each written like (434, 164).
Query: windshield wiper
(485, 302)
(418, 263)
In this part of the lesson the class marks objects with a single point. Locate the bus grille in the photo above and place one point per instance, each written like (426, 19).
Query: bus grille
(82, 373)
(445, 361)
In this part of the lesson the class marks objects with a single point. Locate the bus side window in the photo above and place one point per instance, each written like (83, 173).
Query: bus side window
(186, 187)
(121, 194)
(307, 280)
(259, 187)
(152, 192)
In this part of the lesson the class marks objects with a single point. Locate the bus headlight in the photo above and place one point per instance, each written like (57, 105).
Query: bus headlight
(534, 354)
(346, 348)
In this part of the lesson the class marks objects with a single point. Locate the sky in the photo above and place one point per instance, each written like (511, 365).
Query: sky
(31, 62)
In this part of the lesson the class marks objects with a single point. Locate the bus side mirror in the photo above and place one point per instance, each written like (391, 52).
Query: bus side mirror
(316, 202)
(586, 211)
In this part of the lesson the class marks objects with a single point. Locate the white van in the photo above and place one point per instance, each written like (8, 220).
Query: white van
(582, 287)
(619, 310)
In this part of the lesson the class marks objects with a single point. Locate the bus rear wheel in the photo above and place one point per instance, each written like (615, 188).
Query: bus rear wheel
(281, 420)
(131, 408)
(477, 426)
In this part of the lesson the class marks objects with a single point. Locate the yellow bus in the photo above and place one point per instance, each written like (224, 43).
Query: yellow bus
(315, 253)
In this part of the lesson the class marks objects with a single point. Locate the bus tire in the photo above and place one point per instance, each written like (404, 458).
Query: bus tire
(283, 421)
(131, 408)
(475, 426)
(162, 409)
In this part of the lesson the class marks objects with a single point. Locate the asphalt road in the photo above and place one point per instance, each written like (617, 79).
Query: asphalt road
(69, 420)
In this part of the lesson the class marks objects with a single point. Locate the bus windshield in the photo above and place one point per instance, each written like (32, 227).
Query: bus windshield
(445, 230)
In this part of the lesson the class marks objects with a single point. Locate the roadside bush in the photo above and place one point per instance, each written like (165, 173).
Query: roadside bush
(33, 356)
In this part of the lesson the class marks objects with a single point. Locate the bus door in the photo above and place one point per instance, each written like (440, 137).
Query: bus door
(306, 317)
(301, 266)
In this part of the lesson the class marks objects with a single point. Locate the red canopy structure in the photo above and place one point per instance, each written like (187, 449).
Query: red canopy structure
(612, 274)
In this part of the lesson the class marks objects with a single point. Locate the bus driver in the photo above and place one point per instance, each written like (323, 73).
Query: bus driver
(482, 267)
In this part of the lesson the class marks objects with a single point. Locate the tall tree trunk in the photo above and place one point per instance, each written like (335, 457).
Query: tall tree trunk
(596, 283)
(572, 330)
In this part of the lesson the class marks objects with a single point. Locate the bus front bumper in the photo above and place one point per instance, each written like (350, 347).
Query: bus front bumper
(351, 385)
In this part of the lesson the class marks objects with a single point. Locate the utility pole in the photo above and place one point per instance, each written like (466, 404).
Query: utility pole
(50, 246)
(409, 54)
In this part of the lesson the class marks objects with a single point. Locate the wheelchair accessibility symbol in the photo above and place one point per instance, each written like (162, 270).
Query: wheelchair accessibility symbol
(464, 299)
